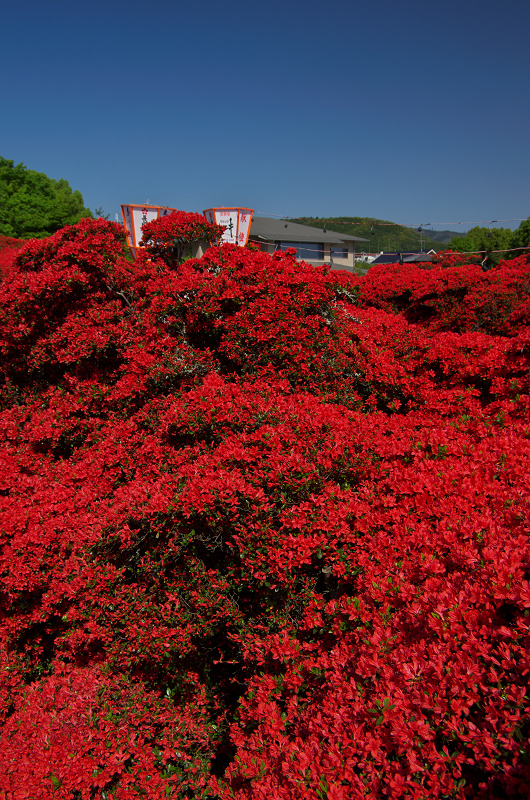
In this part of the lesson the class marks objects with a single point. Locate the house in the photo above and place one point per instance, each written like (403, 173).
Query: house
(315, 245)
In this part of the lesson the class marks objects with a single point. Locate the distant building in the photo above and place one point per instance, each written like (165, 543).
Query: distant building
(314, 245)
(366, 258)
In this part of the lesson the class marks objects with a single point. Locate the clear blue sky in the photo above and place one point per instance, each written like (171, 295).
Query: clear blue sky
(415, 112)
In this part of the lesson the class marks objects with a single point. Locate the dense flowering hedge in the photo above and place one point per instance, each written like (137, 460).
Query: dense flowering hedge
(462, 298)
(264, 528)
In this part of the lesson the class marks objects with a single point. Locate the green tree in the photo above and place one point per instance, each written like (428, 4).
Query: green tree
(493, 243)
(33, 206)
(521, 236)
(494, 239)
(99, 213)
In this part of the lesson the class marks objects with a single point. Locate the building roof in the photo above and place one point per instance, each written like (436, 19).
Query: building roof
(267, 229)
(405, 258)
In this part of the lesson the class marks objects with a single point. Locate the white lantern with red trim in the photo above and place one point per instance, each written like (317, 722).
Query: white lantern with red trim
(236, 222)
(135, 217)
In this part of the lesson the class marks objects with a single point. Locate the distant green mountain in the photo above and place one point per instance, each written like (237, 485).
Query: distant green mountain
(382, 234)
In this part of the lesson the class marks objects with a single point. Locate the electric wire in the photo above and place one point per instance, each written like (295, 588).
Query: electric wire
(377, 223)
(307, 248)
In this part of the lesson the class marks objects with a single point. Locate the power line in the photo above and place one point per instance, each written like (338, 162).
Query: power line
(370, 221)
(479, 252)
(308, 248)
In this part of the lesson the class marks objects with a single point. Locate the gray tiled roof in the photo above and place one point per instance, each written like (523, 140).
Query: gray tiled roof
(274, 230)
(406, 258)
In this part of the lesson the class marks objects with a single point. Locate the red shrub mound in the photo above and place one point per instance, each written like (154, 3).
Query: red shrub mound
(169, 237)
(8, 252)
(264, 528)
(458, 298)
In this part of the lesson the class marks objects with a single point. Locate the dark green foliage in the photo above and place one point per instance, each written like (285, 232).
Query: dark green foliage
(479, 239)
(521, 237)
(497, 241)
(33, 206)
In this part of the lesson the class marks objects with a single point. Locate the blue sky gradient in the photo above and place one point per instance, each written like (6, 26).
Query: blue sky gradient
(409, 111)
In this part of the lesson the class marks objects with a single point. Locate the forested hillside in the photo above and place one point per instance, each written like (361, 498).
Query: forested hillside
(381, 234)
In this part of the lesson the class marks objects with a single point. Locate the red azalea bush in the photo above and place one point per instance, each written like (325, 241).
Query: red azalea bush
(459, 297)
(8, 249)
(10, 243)
(452, 258)
(264, 531)
(170, 237)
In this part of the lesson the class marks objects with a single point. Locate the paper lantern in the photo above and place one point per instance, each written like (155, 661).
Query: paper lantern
(136, 216)
(236, 222)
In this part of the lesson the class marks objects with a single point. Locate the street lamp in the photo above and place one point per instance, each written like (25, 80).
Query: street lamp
(420, 231)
